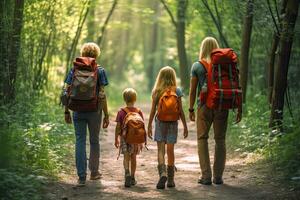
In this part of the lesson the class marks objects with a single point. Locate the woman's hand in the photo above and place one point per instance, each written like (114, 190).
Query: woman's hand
(68, 118)
(105, 121)
(185, 132)
(150, 132)
(192, 116)
(117, 142)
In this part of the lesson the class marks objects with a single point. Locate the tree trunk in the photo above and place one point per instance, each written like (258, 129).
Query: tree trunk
(15, 44)
(273, 53)
(153, 48)
(285, 46)
(246, 37)
(180, 35)
(271, 66)
(100, 38)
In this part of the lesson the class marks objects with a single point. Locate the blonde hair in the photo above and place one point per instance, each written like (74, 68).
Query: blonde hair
(206, 47)
(129, 95)
(90, 49)
(166, 78)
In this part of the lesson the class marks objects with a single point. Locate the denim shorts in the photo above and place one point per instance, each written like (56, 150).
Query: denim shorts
(166, 132)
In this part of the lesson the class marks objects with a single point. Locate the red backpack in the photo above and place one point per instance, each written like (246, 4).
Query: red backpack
(83, 89)
(133, 129)
(223, 90)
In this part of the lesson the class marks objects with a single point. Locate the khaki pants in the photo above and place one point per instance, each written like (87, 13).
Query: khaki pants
(206, 117)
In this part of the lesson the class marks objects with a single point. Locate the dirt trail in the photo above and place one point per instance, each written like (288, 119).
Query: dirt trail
(242, 181)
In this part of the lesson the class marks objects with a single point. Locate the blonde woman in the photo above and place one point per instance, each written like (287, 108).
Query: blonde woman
(166, 131)
(88, 119)
(206, 117)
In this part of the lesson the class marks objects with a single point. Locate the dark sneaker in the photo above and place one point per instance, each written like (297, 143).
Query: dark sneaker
(81, 181)
(95, 176)
(133, 181)
(127, 181)
(204, 181)
(218, 181)
(161, 183)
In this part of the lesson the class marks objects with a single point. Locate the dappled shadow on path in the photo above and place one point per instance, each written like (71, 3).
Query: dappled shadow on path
(238, 177)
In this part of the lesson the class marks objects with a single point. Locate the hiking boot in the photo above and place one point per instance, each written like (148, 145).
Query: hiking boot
(171, 182)
(204, 181)
(81, 181)
(95, 176)
(133, 181)
(162, 177)
(127, 181)
(218, 181)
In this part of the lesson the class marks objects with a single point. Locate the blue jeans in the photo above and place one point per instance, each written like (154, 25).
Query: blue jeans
(82, 120)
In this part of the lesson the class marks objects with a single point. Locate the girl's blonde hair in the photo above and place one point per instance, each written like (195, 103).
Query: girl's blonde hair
(206, 47)
(166, 78)
(90, 49)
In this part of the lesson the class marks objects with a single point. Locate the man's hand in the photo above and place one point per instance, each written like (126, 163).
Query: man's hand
(117, 142)
(105, 122)
(149, 132)
(192, 116)
(185, 132)
(68, 118)
(238, 117)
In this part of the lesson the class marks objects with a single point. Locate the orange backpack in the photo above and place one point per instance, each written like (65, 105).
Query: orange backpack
(168, 106)
(133, 129)
(223, 91)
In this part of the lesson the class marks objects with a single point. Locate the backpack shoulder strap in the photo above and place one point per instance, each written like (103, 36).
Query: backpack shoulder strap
(204, 64)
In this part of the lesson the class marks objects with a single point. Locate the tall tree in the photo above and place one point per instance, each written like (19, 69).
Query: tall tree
(275, 41)
(289, 19)
(100, 38)
(153, 46)
(180, 37)
(217, 21)
(246, 38)
(14, 49)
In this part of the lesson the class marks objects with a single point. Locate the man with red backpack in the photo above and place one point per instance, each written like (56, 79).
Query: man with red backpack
(86, 98)
(215, 83)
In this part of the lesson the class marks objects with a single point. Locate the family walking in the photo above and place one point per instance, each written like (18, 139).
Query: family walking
(214, 87)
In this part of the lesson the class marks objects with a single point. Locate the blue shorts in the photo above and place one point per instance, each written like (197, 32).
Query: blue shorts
(166, 132)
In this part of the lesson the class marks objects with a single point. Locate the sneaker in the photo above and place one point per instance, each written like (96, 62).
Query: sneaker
(133, 181)
(95, 176)
(127, 181)
(81, 181)
(204, 181)
(218, 181)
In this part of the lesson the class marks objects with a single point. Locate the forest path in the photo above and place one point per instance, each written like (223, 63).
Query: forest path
(242, 179)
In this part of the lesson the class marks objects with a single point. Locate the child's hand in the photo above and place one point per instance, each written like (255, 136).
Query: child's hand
(150, 132)
(105, 122)
(117, 143)
(185, 132)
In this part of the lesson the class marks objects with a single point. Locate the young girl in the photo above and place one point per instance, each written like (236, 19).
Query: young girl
(166, 131)
(129, 150)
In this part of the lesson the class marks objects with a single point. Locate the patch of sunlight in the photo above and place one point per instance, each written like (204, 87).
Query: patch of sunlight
(191, 158)
(189, 142)
(46, 126)
(187, 167)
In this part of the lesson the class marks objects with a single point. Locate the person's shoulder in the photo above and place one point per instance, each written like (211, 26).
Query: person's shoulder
(198, 67)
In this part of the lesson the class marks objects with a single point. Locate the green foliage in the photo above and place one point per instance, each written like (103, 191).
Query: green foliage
(252, 132)
(283, 152)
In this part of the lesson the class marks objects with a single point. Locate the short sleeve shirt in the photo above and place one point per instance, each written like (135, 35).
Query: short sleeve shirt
(121, 114)
(199, 71)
